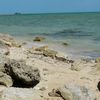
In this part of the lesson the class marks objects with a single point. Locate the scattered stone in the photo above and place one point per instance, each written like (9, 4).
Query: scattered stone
(39, 39)
(65, 44)
(5, 80)
(74, 92)
(54, 93)
(41, 49)
(50, 53)
(22, 74)
(42, 89)
(97, 60)
(61, 57)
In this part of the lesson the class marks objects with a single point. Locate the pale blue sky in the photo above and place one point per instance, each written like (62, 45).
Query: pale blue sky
(48, 6)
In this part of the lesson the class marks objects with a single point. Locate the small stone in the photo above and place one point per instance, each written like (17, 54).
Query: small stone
(39, 39)
(54, 93)
(97, 60)
(50, 53)
(42, 89)
(41, 49)
(65, 44)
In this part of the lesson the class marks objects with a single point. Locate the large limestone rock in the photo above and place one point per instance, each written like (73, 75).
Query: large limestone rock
(19, 94)
(3, 49)
(5, 80)
(22, 74)
(74, 92)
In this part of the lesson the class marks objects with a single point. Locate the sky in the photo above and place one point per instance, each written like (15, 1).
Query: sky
(48, 6)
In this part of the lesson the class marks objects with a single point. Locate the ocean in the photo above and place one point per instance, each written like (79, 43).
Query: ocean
(80, 30)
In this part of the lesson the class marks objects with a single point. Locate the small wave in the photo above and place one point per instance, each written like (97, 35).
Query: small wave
(72, 32)
(97, 39)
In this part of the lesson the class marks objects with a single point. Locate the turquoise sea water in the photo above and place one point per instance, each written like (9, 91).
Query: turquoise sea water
(80, 30)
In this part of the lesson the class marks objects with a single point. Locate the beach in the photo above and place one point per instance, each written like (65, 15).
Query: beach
(50, 56)
(51, 68)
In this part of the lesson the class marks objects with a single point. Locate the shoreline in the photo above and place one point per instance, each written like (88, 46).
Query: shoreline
(73, 49)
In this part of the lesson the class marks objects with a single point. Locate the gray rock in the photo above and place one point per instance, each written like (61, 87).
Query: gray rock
(5, 80)
(23, 75)
(73, 92)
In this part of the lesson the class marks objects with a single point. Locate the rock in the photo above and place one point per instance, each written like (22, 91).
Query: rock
(98, 85)
(61, 57)
(39, 39)
(9, 40)
(97, 66)
(41, 49)
(54, 93)
(31, 50)
(97, 60)
(50, 53)
(65, 44)
(74, 92)
(3, 61)
(42, 89)
(13, 93)
(3, 49)
(76, 66)
(22, 74)
(5, 80)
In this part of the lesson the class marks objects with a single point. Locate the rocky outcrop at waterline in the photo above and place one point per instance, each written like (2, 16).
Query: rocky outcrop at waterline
(9, 40)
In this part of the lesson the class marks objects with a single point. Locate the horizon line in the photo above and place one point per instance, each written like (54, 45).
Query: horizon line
(22, 13)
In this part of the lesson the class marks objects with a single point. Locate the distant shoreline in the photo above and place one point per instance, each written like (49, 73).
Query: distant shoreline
(45, 13)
